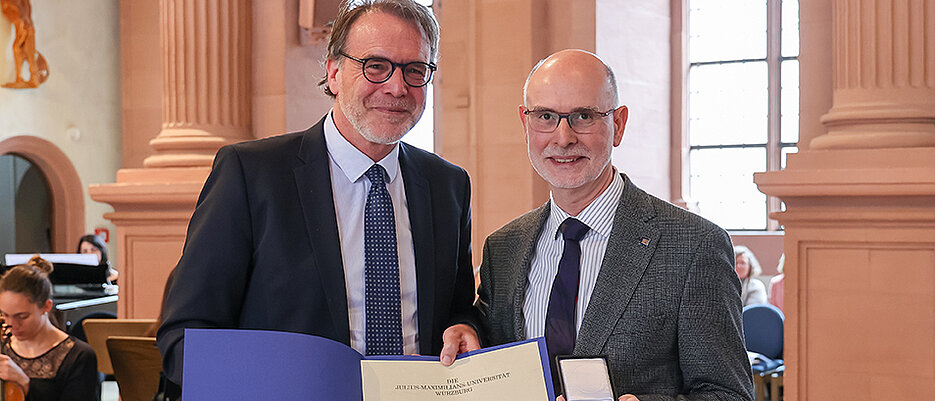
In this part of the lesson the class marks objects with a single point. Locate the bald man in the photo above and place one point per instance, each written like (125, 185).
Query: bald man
(603, 268)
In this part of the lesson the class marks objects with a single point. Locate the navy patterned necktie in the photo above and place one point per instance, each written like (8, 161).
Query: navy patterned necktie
(560, 330)
(384, 334)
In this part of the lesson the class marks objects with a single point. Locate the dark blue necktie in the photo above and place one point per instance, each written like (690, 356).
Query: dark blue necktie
(560, 330)
(384, 334)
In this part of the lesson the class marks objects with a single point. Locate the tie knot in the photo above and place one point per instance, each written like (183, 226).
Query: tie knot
(573, 229)
(375, 175)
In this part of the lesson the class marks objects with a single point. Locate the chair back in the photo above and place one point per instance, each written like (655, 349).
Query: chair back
(77, 329)
(97, 331)
(762, 330)
(137, 364)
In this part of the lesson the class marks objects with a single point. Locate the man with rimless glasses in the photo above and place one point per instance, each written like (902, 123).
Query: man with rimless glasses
(341, 231)
(603, 268)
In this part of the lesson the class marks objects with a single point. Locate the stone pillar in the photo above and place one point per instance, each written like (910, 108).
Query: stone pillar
(884, 75)
(860, 205)
(487, 49)
(206, 80)
(206, 103)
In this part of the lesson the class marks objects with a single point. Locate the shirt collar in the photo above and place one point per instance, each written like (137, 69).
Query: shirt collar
(350, 160)
(595, 215)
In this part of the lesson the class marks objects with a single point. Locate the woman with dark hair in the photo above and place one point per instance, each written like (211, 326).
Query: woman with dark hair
(93, 244)
(44, 361)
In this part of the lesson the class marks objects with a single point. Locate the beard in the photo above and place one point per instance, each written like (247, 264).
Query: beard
(593, 165)
(375, 127)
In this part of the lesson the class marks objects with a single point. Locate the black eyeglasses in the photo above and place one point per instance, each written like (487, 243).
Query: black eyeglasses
(581, 122)
(379, 70)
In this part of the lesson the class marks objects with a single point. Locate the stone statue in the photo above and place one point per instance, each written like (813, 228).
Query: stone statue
(19, 12)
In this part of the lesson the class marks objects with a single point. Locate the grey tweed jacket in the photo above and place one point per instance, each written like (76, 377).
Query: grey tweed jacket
(665, 310)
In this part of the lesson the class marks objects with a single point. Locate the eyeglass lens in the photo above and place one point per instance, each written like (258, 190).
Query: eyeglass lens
(379, 70)
(548, 121)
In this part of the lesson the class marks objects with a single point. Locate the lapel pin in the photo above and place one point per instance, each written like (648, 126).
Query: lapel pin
(644, 241)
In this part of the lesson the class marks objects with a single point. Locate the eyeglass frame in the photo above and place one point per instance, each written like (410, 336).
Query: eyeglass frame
(567, 117)
(393, 65)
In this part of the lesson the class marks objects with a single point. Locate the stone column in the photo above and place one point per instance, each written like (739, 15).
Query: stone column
(860, 205)
(487, 50)
(206, 103)
(206, 80)
(884, 75)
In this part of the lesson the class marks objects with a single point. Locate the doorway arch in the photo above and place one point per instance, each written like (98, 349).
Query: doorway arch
(64, 183)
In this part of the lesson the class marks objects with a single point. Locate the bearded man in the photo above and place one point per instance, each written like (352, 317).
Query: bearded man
(604, 268)
(341, 231)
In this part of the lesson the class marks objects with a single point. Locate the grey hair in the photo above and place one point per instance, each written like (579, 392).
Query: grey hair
(350, 10)
(755, 269)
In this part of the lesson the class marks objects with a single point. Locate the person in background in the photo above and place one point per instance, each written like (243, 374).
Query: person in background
(604, 268)
(748, 268)
(777, 285)
(94, 244)
(46, 363)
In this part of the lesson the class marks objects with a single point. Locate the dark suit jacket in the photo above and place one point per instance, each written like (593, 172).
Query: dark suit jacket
(667, 313)
(263, 251)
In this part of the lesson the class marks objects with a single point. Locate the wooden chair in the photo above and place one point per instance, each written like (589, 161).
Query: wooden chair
(137, 364)
(97, 331)
(775, 384)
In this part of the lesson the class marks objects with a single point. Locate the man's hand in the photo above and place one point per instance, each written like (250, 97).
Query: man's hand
(458, 339)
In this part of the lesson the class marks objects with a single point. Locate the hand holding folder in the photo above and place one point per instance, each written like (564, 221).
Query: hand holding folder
(254, 364)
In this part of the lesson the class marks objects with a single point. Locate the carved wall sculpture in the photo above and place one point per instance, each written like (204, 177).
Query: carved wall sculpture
(19, 12)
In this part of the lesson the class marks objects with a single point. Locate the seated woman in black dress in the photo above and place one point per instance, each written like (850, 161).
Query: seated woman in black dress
(46, 363)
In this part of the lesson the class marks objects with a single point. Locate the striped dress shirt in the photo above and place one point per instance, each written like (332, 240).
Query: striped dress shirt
(599, 216)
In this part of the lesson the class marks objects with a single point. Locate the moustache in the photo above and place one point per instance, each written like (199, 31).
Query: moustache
(560, 152)
(400, 104)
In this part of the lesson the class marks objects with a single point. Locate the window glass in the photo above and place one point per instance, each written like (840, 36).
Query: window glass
(790, 28)
(786, 150)
(727, 30)
(789, 100)
(728, 103)
(731, 133)
(423, 134)
(723, 186)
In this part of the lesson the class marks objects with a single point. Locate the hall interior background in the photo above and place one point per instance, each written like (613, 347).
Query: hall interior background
(860, 220)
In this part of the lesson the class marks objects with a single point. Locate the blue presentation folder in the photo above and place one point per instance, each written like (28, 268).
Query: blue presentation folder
(254, 365)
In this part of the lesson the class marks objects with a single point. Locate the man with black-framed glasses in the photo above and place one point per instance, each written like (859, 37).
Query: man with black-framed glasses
(603, 268)
(341, 231)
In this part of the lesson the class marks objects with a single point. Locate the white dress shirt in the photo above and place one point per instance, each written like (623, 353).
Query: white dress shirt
(599, 217)
(350, 188)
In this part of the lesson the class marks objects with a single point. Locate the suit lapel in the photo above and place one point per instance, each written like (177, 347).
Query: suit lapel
(313, 181)
(629, 249)
(423, 239)
(526, 241)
